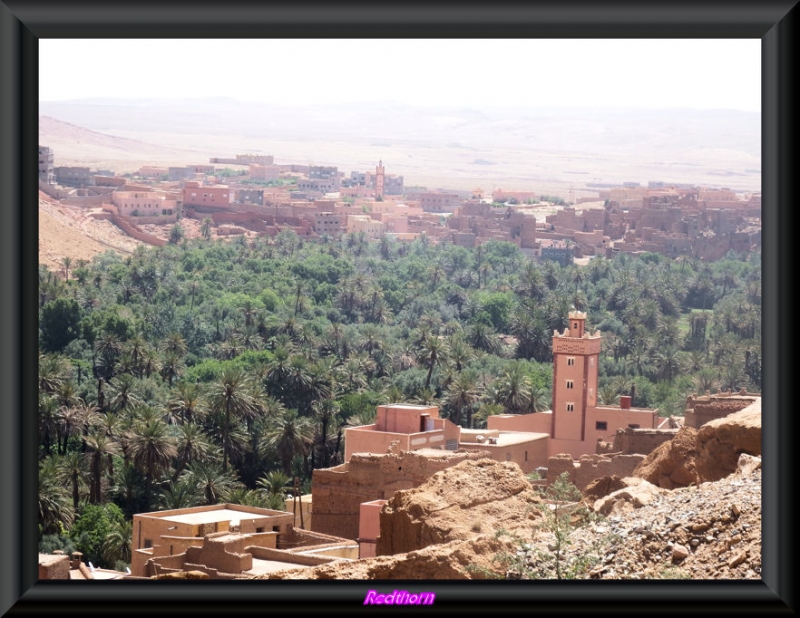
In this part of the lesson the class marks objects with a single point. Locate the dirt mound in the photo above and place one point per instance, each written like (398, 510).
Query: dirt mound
(456, 504)
(720, 442)
(671, 464)
(600, 488)
(709, 453)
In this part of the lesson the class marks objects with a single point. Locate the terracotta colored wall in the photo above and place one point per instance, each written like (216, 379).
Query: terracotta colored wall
(369, 527)
(528, 455)
(339, 492)
(538, 422)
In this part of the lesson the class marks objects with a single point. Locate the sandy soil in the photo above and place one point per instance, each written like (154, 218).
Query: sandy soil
(71, 231)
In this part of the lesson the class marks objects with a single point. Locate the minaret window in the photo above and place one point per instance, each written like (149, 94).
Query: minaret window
(570, 407)
(570, 360)
(570, 384)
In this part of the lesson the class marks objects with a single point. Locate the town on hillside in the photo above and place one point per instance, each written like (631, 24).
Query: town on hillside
(252, 195)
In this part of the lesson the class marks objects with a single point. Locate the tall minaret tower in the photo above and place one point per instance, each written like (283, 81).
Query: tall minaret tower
(379, 176)
(575, 367)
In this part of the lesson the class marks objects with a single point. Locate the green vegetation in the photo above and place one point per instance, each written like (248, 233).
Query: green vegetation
(547, 555)
(182, 375)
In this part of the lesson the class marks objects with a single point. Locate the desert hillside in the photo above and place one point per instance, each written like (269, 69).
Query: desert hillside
(540, 149)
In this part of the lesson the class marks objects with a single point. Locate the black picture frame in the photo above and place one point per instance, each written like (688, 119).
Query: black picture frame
(24, 22)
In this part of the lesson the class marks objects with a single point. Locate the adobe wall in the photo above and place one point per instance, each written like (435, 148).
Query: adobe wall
(53, 566)
(338, 492)
(591, 467)
(254, 221)
(702, 409)
(132, 230)
(642, 441)
(88, 200)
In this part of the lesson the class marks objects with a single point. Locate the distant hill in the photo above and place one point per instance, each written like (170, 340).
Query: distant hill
(74, 143)
(525, 145)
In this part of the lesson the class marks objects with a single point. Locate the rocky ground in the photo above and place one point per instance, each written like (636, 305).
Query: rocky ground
(484, 519)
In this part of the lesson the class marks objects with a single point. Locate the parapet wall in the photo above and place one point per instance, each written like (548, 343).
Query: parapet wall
(130, 229)
(591, 467)
(702, 409)
(629, 441)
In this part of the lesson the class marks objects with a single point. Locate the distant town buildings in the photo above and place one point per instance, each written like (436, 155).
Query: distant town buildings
(263, 197)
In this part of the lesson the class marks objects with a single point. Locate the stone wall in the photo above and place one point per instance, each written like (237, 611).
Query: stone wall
(338, 492)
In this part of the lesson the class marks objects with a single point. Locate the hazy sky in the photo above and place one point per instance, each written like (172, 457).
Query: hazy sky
(656, 73)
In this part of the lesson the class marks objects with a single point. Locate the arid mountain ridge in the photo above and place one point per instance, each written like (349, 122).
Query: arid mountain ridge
(433, 146)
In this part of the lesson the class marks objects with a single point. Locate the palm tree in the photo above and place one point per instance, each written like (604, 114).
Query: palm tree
(186, 404)
(290, 435)
(212, 483)
(107, 347)
(117, 543)
(326, 411)
(276, 487)
(231, 398)
(513, 389)
(48, 422)
(706, 381)
(73, 421)
(485, 411)
(122, 392)
(174, 343)
(72, 468)
(53, 370)
(668, 362)
(151, 449)
(192, 445)
(462, 395)
(482, 337)
(179, 494)
(607, 394)
(66, 261)
(100, 447)
(54, 509)
(432, 352)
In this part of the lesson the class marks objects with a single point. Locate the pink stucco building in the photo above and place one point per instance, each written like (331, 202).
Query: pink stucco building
(401, 427)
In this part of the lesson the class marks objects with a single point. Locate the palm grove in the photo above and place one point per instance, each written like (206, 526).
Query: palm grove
(209, 371)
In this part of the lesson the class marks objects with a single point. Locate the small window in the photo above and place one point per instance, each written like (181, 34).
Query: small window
(148, 543)
(571, 360)
(601, 425)
(570, 407)
(569, 384)
(260, 529)
(276, 528)
(633, 426)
